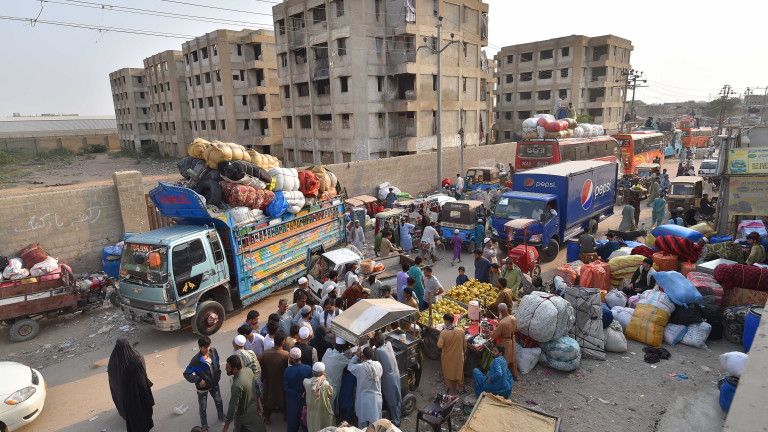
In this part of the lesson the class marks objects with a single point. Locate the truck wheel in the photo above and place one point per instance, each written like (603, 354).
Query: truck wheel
(593, 226)
(208, 319)
(549, 253)
(114, 299)
(408, 405)
(24, 330)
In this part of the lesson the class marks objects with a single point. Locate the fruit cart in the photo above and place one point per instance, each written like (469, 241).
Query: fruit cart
(367, 316)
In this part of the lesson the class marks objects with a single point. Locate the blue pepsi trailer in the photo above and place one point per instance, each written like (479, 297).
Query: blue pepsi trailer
(206, 265)
(566, 198)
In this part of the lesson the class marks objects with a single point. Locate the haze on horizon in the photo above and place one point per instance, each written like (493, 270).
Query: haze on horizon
(686, 54)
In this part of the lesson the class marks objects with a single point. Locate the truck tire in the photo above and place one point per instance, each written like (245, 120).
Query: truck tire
(211, 191)
(208, 319)
(114, 299)
(549, 253)
(593, 224)
(24, 330)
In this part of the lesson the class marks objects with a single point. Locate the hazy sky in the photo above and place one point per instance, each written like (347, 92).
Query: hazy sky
(681, 48)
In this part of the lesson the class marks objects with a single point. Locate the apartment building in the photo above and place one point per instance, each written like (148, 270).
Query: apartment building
(358, 78)
(168, 107)
(232, 94)
(131, 100)
(531, 77)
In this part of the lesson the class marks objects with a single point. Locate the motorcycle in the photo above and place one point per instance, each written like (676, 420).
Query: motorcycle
(95, 288)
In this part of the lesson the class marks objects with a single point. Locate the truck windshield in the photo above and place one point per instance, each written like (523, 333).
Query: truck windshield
(135, 264)
(519, 208)
(682, 189)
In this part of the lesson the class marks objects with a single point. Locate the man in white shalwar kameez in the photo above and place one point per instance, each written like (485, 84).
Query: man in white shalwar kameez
(335, 361)
(368, 397)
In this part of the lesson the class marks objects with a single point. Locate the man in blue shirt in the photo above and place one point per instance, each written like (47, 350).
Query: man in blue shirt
(482, 267)
(391, 198)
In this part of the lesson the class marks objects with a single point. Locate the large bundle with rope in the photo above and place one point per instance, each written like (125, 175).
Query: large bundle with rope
(544, 317)
(587, 328)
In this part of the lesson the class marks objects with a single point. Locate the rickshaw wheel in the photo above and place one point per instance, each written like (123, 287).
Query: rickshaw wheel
(408, 404)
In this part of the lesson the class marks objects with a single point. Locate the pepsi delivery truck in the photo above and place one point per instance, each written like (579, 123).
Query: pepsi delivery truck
(565, 199)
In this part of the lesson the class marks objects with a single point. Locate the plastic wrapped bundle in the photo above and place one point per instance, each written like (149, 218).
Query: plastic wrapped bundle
(196, 148)
(295, 201)
(548, 117)
(563, 354)
(220, 151)
(529, 124)
(544, 317)
(309, 185)
(588, 327)
(238, 195)
(278, 207)
(286, 179)
(263, 161)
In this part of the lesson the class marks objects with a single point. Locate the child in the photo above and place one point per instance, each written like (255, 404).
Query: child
(461, 278)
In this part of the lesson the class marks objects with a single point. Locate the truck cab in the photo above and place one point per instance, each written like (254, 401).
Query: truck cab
(529, 205)
(170, 268)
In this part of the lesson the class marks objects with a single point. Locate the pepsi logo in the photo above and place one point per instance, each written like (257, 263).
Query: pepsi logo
(587, 194)
(528, 182)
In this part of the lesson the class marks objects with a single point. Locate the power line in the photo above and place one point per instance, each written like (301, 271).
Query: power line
(217, 7)
(97, 28)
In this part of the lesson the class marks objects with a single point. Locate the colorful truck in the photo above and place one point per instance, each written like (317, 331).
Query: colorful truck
(566, 199)
(206, 266)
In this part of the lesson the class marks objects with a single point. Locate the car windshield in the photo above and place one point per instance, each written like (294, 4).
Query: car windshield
(519, 208)
(682, 189)
(135, 268)
(708, 165)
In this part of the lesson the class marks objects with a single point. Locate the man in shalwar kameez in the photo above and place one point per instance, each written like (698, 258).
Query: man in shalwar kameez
(504, 333)
(368, 396)
(453, 344)
(498, 380)
(390, 380)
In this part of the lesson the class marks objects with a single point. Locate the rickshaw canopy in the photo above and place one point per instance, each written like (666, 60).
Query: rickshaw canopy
(687, 180)
(518, 224)
(489, 174)
(458, 214)
(354, 202)
(394, 212)
(648, 166)
(364, 199)
(368, 315)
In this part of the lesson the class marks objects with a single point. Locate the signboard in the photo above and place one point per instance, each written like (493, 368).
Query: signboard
(746, 196)
(748, 161)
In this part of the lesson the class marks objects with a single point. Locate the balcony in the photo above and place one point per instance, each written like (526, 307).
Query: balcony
(320, 69)
(401, 62)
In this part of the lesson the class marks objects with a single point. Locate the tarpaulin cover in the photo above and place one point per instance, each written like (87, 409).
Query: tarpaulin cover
(677, 231)
(368, 315)
(679, 289)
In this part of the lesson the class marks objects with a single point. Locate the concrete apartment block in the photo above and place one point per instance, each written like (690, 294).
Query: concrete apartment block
(231, 79)
(167, 89)
(588, 71)
(354, 84)
(131, 100)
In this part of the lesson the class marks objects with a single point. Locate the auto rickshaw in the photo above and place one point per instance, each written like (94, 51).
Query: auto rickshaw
(482, 178)
(686, 192)
(646, 169)
(524, 256)
(391, 215)
(365, 201)
(460, 215)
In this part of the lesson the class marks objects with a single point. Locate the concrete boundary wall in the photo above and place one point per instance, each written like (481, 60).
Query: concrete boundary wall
(73, 225)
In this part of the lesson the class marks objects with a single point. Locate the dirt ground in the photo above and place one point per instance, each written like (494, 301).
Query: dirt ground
(622, 392)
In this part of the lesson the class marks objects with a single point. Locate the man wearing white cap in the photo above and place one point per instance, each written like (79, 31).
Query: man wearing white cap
(293, 383)
(247, 357)
(368, 395)
(304, 318)
(335, 361)
(304, 287)
(330, 287)
(319, 396)
(489, 251)
(308, 352)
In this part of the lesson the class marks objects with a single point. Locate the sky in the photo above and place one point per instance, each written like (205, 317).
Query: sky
(686, 52)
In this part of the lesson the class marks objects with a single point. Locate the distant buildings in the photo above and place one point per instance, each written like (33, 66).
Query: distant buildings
(168, 106)
(49, 132)
(129, 95)
(531, 77)
(358, 79)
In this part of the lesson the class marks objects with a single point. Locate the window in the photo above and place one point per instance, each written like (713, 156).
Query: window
(522, 115)
(207, 76)
(239, 49)
(339, 8)
(192, 103)
(199, 102)
(344, 83)
(223, 125)
(244, 100)
(377, 9)
(507, 97)
(526, 76)
(189, 81)
(300, 55)
(318, 14)
(194, 56)
(209, 99)
(246, 124)
(287, 91)
(380, 83)
(565, 51)
(289, 122)
(202, 125)
(221, 100)
(546, 55)
(562, 92)
(305, 121)
(204, 52)
(508, 115)
(544, 95)
(168, 86)
(144, 110)
(435, 7)
(381, 120)
(526, 57)
(297, 22)
(213, 124)
(545, 74)
(164, 107)
(345, 121)
(139, 78)
(464, 47)
(433, 43)
(509, 78)
(302, 89)
(525, 96)
(197, 79)
(379, 42)
(341, 47)
(464, 84)
(507, 135)
(141, 95)
(283, 59)
(434, 82)
(281, 27)
(323, 87)
(564, 73)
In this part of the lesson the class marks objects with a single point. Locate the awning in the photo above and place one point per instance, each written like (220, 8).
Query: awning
(366, 316)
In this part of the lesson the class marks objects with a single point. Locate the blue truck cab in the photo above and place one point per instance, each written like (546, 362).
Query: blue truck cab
(207, 265)
(566, 198)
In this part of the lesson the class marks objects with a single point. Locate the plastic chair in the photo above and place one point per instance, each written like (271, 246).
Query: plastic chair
(435, 422)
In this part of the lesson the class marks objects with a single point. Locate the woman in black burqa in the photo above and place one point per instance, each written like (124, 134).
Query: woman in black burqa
(130, 387)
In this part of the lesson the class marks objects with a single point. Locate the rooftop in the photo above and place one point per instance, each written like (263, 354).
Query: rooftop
(10, 125)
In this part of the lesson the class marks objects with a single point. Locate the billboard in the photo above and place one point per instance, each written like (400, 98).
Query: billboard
(748, 161)
(746, 196)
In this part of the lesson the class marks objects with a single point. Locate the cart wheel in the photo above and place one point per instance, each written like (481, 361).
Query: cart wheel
(549, 253)
(208, 319)
(440, 251)
(408, 405)
(24, 330)
(536, 271)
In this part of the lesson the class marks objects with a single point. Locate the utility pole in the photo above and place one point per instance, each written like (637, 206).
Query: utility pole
(762, 110)
(461, 153)
(625, 74)
(635, 75)
(725, 93)
(439, 50)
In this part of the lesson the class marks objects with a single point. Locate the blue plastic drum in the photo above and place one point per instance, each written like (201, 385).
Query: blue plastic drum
(727, 391)
(750, 326)
(110, 260)
(573, 251)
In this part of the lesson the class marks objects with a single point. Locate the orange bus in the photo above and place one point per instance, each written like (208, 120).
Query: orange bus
(542, 152)
(696, 137)
(640, 147)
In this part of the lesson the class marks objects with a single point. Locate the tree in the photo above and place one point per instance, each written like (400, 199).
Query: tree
(732, 107)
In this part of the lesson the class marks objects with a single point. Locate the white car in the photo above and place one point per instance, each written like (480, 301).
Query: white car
(22, 395)
(708, 168)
